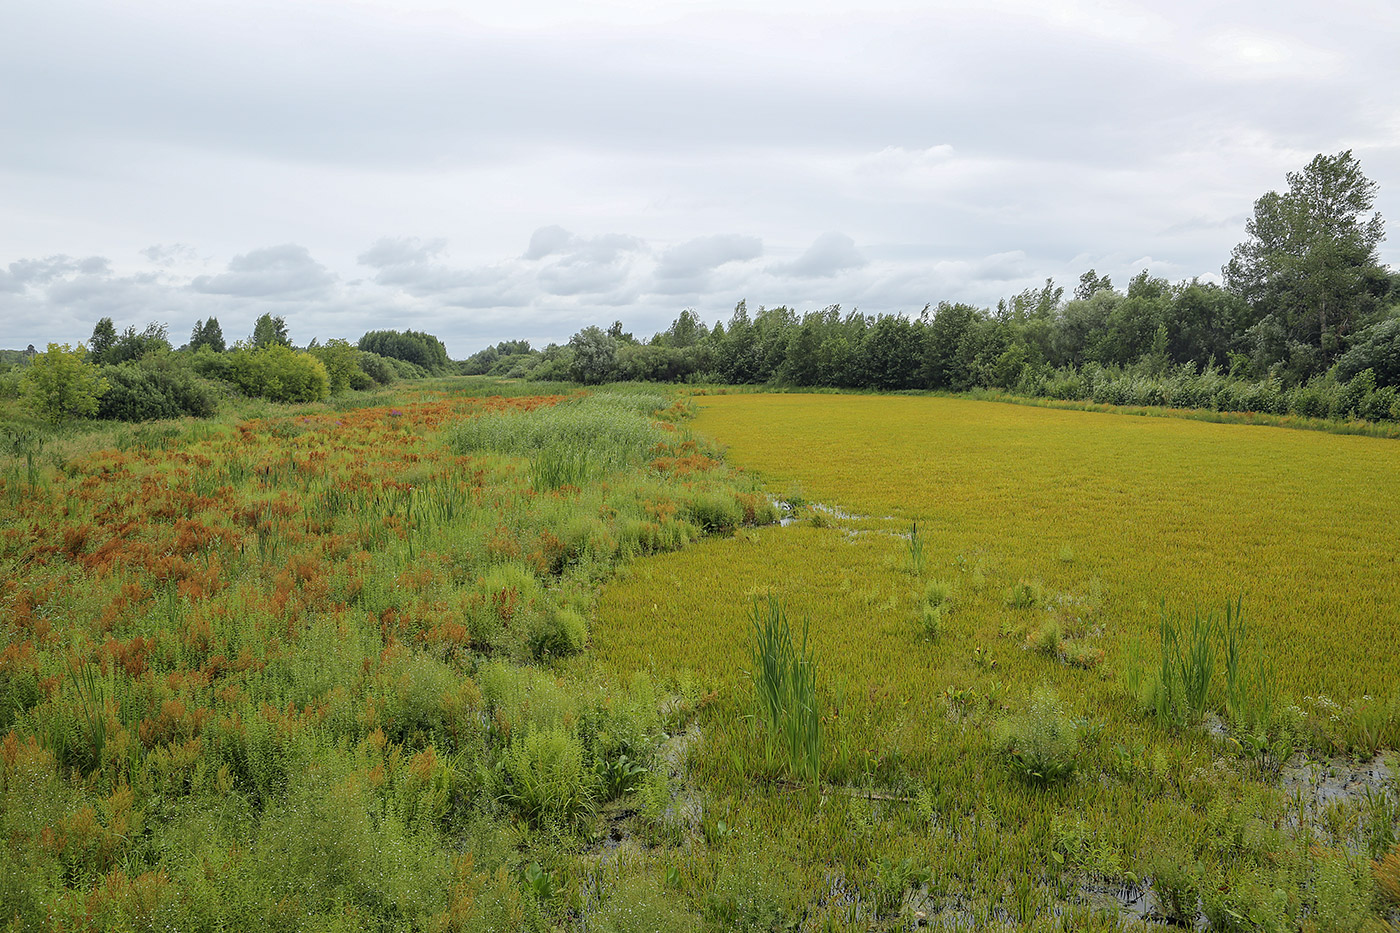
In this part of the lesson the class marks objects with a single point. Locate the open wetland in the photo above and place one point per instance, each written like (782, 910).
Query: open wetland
(633, 660)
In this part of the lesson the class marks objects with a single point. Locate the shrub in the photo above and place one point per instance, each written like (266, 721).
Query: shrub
(61, 383)
(1310, 401)
(1041, 744)
(342, 362)
(158, 386)
(279, 374)
(1380, 405)
(376, 367)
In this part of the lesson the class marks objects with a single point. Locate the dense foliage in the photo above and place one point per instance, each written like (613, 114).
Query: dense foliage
(420, 349)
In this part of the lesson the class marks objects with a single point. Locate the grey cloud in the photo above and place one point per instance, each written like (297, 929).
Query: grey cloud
(703, 254)
(25, 272)
(1001, 267)
(283, 272)
(829, 253)
(391, 251)
(163, 255)
(547, 241)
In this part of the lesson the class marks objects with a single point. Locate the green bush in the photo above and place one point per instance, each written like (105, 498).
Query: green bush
(376, 367)
(279, 374)
(60, 383)
(157, 386)
(342, 362)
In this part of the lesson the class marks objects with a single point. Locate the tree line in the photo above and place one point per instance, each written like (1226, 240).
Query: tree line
(137, 375)
(1304, 309)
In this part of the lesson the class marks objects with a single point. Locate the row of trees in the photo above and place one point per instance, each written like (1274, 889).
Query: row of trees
(138, 375)
(1304, 300)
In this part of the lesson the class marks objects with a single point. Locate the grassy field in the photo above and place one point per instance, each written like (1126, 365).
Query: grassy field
(1028, 608)
(460, 657)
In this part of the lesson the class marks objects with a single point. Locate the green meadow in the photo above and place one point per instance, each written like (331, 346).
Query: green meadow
(461, 657)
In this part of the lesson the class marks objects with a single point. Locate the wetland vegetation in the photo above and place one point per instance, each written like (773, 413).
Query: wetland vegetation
(449, 657)
(345, 638)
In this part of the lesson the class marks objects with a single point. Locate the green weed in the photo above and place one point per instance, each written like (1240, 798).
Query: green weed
(785, 684)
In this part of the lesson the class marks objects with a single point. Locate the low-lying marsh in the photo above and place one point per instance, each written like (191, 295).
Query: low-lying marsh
(984, 694)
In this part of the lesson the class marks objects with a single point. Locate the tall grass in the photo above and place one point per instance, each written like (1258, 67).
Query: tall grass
(613, 430)
(785, 683)
(1186, 669)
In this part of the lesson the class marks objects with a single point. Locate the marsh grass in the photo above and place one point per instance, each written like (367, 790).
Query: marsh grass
(916, 549)
(1042, 743)
(785, 687)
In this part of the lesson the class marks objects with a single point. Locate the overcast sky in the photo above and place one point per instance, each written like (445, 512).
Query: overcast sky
(487, 171)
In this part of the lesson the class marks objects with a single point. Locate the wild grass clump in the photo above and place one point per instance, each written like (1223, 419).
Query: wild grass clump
(916, 549)
(785, 685)
(595, 432)
(1025, 594)
(1186, 668)
(544, 780)
(1042, 744)
(934, 608)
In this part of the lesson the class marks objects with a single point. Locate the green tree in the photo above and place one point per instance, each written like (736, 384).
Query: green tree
(208, 334)
(595, 356)
(270, 331)
(342, 362)
(103, 336)
(1310, 263)
(61, 383)
(134, 345)
(1089, 283)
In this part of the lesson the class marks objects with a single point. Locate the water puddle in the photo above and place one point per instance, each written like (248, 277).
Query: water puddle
(1338, 779)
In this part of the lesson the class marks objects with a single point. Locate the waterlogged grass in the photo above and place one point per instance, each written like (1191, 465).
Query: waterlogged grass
(309, 668)
(461, 661)
(989, 682)
(1301, 524)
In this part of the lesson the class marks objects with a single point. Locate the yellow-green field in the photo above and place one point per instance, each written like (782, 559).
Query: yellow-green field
(1058, 537)
(1303, 524)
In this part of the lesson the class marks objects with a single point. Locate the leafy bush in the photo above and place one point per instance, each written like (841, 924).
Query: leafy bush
(61, 383)
(157, 386)
(279, 374)
(342, 362)
(376, 367)
(1041, 744)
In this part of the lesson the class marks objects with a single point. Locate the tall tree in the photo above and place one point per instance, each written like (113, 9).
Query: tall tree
(208, 334)
(270, 331)
(103, 336)
(1310, 262)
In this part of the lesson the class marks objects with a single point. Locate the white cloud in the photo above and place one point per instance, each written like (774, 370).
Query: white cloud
(286, 272)
(969, 149)
(829, 254)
